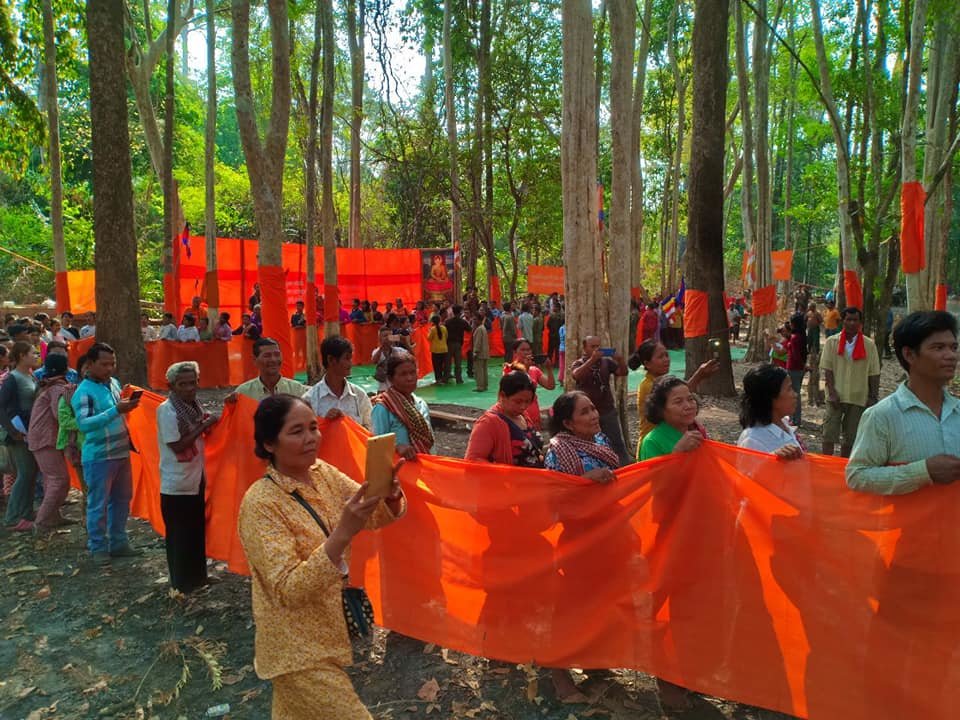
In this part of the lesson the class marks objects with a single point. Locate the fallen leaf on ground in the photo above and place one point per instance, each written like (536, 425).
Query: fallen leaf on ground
(429, 648)
(432, 707)
(445, 654)
(429, 690)
(22, 569)
(532, 689)
(26, 691)
(96, 687)
(43, 593)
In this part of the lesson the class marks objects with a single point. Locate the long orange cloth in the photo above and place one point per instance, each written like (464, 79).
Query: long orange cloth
(724, 570)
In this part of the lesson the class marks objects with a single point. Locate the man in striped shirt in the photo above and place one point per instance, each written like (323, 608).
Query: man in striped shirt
(911, 438)
(106, 455)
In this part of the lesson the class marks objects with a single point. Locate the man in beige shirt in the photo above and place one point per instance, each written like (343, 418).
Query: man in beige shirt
(268, 359)
(851, 373)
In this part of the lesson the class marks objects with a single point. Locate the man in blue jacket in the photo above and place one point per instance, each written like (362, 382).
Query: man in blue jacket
(106, 455)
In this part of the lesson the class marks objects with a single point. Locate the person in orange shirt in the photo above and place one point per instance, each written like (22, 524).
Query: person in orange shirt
(831, 319)
(296, 524)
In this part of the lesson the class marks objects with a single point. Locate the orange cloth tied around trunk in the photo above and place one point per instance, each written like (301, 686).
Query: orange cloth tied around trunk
(940, 303)
(765, 301)
(913, 246)
(273, 309)
(852, 289)
(724, 570)
(695, 314)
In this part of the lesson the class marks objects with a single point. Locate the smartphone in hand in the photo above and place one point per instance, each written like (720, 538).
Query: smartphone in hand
(378, 471)
(136, 395)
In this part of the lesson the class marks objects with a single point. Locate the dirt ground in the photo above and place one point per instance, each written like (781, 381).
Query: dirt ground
(81, 641)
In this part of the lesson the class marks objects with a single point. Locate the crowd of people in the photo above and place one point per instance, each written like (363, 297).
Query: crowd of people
(52, 416)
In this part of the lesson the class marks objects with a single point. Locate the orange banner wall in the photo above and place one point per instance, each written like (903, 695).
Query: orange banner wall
(724, 570)
(545, 279)
(382, 275)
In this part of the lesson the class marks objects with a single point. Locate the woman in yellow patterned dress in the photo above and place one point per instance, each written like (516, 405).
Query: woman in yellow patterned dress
(297, 569)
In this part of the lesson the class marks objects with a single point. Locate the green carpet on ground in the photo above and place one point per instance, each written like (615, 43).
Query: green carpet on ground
(466, 395)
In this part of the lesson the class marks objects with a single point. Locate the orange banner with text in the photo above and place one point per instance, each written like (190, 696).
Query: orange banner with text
(545, 279)
(782, 262)
(724, 570)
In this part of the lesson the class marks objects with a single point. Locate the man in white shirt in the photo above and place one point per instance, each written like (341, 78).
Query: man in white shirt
(148, 331)
(168, 330)
(90, 329)
(181, 426)
(188, 332)
(335, 396)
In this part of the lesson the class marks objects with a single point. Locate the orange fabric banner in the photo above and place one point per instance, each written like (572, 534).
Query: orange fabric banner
(696, 316)
(765, 301)
(782, 261)
(940, 302)
(852, 289)
(62, 292)
(81, 291)
(724, 570)
(545, 279)
(913, 244)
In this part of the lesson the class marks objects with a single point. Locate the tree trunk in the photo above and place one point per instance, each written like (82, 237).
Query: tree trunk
(327, 230)
(356, 22)
(941, 88)
(51, 101)
(845, 207)
(456, 223)
(705, 193)
(314, 371)
(486, 92)
(908, 133)
(169, 220)
(680, 82)
(209, 159)
(586, 311)
(117, 281)
(265, 158)
(636, 184)
(623, 23)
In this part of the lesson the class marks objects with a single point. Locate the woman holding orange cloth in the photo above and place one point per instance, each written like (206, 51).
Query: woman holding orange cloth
(296, 524)
(505, 434)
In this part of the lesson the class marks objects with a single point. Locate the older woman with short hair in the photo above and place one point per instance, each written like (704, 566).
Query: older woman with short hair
(181, 426)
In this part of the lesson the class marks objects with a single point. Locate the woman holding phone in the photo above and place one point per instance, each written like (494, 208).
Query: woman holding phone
(524, 361)
(296, 525)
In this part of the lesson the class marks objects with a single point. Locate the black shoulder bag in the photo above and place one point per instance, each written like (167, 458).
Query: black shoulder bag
(357, 610)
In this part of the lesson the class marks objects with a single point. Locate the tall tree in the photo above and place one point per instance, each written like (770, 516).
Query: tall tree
(51, 103)
(450, 107)
(117, 281)
(356, 28)
(170, 203)
(705, 187)
(209, 157)
(637, 179)
(846, 203)
(313, 365)
(265, 157)
(327, 218)
(586, 311)
(623, 23)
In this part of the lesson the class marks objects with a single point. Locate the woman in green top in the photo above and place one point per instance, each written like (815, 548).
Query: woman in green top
(672, 408)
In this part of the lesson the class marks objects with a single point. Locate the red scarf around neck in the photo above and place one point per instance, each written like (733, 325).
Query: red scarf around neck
(859, 347)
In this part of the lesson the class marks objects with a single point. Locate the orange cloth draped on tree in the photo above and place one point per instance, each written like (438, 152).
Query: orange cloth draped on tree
(852, 289)
(913, 245)
(940, 302)
(724, 570)
(765, 301)
(696, 315)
